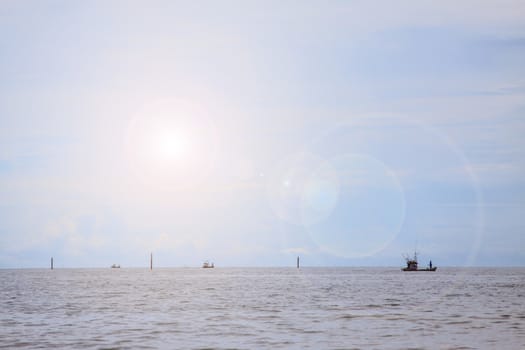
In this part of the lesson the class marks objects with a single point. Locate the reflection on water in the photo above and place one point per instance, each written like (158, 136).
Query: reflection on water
(249, 308)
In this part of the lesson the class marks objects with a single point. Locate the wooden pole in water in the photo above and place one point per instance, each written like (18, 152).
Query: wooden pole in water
(151, 261)
(51, 263)
(297, 262)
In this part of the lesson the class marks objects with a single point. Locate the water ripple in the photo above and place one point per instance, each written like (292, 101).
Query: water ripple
(310, 308)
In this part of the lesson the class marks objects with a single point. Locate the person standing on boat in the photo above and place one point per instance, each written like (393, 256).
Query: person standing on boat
(430, 264)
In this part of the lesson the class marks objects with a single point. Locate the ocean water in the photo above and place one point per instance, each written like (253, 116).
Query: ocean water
(263, 308)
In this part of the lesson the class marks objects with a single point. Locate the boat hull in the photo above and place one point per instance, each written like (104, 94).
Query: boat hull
(207, 265)
(427, 269)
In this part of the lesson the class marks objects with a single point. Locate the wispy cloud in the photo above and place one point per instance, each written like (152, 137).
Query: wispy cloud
(305, 126)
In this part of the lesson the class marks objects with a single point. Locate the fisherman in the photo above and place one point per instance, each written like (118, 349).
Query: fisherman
(430, 264)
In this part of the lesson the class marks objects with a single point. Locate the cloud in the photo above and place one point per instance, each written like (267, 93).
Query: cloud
(509, 90)
(421, 101)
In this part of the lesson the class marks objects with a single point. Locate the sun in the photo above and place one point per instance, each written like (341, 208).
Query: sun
(170, 145)
(156, 144)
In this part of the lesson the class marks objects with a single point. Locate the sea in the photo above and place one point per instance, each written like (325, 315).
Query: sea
(262, 308)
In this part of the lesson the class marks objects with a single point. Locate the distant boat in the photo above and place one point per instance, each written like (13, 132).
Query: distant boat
(207, 265)
(412, 264)
(115, 266)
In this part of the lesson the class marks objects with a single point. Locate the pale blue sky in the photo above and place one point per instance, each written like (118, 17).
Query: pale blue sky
(248, 133)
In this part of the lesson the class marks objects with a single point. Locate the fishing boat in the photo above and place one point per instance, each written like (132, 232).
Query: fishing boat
(207, 265)
(115, 266)
(412, 264)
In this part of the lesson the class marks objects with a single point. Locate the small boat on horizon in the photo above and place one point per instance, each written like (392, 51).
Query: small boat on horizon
(412, 264)
(207, 265)
(115, 266)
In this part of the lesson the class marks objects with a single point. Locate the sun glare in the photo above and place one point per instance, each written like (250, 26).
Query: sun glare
(170, 145)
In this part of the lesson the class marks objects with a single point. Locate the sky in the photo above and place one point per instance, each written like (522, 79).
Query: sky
(248, 133)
